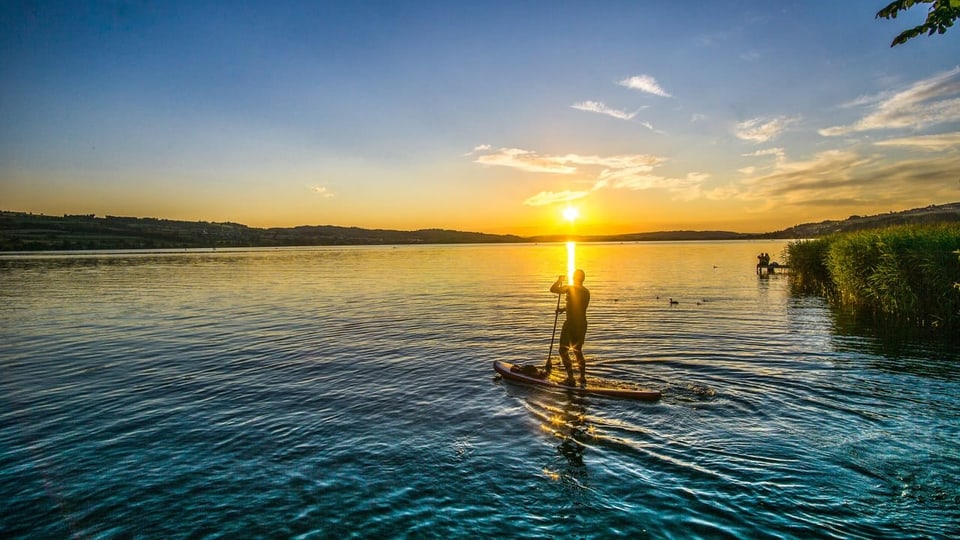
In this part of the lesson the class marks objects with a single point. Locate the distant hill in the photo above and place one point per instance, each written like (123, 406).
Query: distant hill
(31, 232)
(21, 231)
(931, 214)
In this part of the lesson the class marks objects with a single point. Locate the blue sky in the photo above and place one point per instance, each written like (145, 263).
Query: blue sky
(485, 116)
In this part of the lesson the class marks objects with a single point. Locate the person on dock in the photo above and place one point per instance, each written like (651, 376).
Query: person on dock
(574, 330)
(763, 260)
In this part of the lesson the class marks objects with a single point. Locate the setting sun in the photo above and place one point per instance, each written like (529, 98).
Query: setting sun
(571, 214)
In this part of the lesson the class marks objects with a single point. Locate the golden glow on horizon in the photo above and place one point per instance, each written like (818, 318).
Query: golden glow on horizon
(571, 260)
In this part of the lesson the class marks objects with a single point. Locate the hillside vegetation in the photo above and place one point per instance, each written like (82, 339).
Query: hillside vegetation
(943, 213)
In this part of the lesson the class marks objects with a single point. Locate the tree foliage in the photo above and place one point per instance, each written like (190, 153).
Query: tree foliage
(941, 16)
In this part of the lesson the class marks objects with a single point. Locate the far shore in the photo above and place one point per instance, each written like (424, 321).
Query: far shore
(27, 232)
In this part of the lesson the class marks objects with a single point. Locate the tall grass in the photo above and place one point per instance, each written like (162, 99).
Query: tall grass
(808, 269)
(907, 272)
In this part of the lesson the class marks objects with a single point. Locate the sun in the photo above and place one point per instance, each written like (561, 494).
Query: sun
(571, 214)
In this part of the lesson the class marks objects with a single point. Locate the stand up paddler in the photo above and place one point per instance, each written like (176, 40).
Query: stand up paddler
(574, 329)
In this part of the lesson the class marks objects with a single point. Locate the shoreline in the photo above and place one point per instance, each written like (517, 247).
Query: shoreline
(26, 232)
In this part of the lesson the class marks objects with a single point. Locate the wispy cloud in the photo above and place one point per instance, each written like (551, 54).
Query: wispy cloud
(600, 108)
(322, 191)
(530, 161)
(685, 188)
(525, 160)
(715, 38)
(761, 130)
(929, 143)
(618, 161)
(861, 101)
(549, 197)
(644, 83)
(931, 101)
(722, 193)
(477, 149)
(776, 152)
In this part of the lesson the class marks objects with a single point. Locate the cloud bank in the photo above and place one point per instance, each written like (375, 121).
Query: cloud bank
(841, 177)
(623, 171)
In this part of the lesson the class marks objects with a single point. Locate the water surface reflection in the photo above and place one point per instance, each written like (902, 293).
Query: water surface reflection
(248, 393)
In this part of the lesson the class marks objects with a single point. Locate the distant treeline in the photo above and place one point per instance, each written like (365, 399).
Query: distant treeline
(907, 273)
(32, 232)
(35, 232)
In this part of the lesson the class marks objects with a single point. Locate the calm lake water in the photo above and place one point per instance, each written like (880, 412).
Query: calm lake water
(349, 392)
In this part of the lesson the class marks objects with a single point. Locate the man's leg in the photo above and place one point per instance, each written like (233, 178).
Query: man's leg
(565, 356)
(565, 351)
(578, 336)
(583, 366)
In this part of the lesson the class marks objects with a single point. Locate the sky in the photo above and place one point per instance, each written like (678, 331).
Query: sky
(747, 116)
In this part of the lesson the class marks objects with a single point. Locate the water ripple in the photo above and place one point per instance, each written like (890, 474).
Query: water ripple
(348, 392)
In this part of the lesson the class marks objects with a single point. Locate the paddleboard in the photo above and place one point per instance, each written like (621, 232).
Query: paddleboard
(505, 369)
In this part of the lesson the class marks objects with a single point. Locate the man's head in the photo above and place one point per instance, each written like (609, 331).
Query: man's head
(578, 277)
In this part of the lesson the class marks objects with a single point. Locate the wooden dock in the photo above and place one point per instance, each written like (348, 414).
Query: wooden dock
(772, 269)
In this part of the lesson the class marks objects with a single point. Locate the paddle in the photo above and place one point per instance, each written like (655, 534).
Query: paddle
(553, 336)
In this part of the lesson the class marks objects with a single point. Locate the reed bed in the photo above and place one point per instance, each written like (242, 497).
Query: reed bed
(908, 272)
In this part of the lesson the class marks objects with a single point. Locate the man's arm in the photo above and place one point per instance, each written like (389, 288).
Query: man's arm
(558, 287)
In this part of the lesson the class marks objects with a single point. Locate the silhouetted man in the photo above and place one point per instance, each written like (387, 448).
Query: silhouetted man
(575, 326)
